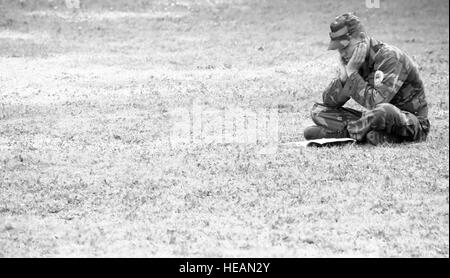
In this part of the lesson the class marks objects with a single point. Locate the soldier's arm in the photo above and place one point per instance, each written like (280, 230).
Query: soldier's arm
(369, 94)
(333, 95)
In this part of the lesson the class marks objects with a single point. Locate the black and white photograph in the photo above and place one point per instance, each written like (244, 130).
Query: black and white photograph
(224, 129)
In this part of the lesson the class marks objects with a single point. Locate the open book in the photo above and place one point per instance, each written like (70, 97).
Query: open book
(325, 142)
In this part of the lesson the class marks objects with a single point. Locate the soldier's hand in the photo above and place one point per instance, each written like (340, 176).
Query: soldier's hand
(358, 57)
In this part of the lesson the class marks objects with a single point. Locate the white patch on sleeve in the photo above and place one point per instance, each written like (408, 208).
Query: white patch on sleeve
(378, 78)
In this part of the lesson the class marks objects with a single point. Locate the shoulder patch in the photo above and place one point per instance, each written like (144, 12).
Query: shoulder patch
(378, 78)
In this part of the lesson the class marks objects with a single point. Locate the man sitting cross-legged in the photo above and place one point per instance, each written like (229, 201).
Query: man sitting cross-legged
(380, 77)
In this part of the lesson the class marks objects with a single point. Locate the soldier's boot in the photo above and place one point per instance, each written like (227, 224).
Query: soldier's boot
(375, 138)
(318, 132)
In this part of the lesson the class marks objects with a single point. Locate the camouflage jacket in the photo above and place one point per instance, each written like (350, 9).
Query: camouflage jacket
(388, 75)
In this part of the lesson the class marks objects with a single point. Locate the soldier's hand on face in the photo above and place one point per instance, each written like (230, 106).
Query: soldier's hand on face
(357, 59)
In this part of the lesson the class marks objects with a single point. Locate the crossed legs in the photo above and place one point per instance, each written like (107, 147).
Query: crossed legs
(385, 119)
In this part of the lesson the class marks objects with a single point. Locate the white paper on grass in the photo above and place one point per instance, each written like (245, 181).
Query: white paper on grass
(320, 142)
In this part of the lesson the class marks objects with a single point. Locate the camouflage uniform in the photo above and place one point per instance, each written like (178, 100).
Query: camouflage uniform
(389, 86)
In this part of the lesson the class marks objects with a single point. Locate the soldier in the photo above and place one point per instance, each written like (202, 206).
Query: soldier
(380, 77)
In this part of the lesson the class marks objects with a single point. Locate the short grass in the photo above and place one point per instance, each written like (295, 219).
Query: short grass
(86, 165)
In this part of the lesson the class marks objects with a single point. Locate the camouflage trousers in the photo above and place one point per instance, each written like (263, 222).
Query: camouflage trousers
(384, 117)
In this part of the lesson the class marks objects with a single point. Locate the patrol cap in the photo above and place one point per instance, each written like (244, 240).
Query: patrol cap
(342, 28)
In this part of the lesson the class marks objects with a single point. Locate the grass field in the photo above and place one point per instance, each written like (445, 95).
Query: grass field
(86, 164)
